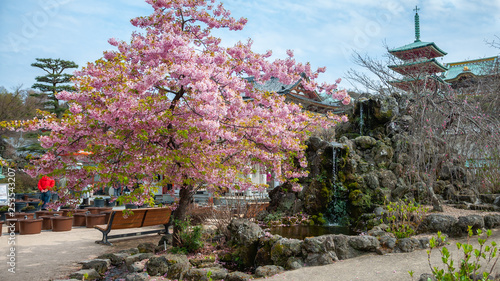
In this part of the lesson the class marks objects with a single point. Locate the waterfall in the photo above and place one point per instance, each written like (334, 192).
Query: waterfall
(361, 120)
(336, 209)
(334, 164)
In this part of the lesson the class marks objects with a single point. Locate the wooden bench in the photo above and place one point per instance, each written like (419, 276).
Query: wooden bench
(140, 218)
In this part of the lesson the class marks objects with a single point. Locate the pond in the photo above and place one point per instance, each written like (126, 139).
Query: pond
(303, 231)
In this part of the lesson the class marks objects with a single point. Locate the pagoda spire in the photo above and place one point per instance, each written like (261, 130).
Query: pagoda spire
(417, 25)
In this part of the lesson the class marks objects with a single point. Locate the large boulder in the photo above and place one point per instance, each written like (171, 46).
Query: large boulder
(163, 264)
(238, 276)
(285, 248)
(205, 274)
(364, 243)
(491, 221)
(244, 232)
(244, 235)
(371, 180)
(407, 245)
(100, 265)
(474, 221)
(87, 274)
(438, 222)
(365, 142)
(268, 270)
(387, 179)
(319, 250)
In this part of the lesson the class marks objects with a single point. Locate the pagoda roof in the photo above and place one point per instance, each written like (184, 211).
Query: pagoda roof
(405, 83)
(418, 49)
(477, 67)
(422, 66)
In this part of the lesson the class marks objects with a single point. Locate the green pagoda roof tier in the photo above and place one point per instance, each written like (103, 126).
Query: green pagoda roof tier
(429, 66)
(418, 49)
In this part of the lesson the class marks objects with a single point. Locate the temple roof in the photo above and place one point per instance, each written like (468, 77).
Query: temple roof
(418, 49)
(419, 66)
(310, 100)
(477, 67)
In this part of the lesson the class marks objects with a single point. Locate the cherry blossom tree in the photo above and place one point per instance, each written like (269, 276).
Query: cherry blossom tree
(174, 102)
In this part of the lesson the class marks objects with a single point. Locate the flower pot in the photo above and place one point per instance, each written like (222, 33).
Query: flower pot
(92, 220)
(47, 222)
(98, 210)
(79, 219)
(23, 214)
(110, 203)
(52, 213)
(35, 204)
(98, 202)
(68, 212)
(20, 205)
(61, 223)
(12, 221)
(30, 226)
(130, 206)
(2, 215)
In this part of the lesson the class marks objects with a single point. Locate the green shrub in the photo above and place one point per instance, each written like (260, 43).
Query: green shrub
(468, 267)
(191, 237)
(403, 217)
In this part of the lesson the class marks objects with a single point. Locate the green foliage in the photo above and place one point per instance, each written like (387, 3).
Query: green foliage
(403, 217)
(318, 219)
(28, 208)
(469, 266)
(273, 218)
(54, 81)
(191, 237)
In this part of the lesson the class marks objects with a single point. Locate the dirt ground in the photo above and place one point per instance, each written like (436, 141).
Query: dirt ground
(54, 255)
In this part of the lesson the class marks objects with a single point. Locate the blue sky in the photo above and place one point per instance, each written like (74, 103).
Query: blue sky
(322, 32)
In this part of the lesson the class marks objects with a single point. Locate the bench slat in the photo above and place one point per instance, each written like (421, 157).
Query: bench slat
(157, 216)
(131, 221)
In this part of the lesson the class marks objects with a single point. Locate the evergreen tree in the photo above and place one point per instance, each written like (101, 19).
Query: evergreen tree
(53, 82)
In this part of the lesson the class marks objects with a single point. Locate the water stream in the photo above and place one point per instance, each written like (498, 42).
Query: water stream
(361, 120)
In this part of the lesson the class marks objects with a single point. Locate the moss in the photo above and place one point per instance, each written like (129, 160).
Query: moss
(341, 176)
(318, 219)
(353, 186)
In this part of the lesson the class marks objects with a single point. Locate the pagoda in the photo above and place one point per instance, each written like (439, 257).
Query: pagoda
(419, 65)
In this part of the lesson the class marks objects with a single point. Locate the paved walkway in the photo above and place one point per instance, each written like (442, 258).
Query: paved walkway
(54, 255)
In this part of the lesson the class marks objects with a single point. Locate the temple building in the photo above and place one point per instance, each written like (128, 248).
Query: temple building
(418, 66)
(466, 75)
(310, 100)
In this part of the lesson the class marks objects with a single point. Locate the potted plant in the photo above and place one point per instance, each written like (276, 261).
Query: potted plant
(98, 202)
(30, 226)
(111, 202)
(19, 205)
(29, 209)
(61, 223)
(3, 211)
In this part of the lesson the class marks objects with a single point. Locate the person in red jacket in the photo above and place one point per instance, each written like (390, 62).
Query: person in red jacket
(45, 184)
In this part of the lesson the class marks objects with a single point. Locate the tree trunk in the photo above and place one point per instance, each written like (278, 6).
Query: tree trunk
(186, 196)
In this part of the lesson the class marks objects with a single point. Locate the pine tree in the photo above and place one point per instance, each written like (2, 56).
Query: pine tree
(53, 82)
